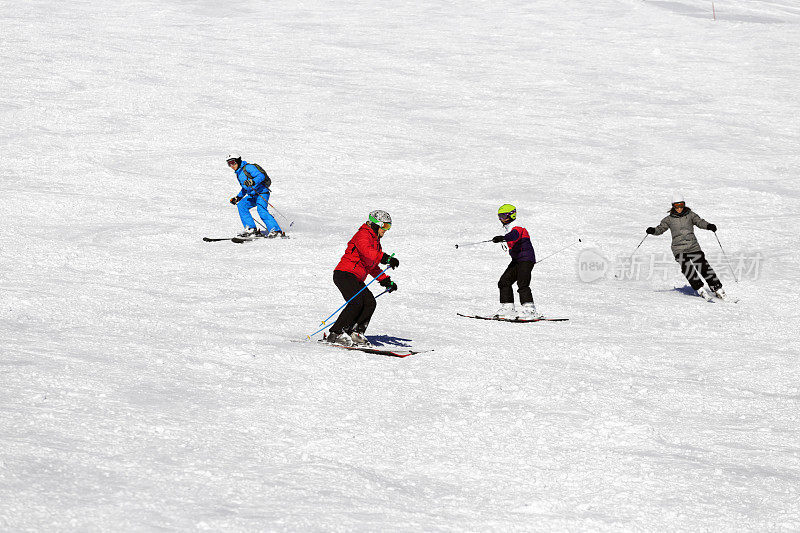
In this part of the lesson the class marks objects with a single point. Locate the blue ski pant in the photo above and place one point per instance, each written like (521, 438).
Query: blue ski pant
(261, 202)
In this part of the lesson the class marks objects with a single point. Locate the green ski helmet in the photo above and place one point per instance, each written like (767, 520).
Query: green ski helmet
(507, 214)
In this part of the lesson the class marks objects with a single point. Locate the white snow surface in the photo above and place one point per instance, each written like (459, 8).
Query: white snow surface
(148, 378)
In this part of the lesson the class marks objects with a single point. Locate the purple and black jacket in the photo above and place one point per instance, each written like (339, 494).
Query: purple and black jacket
(519, 243)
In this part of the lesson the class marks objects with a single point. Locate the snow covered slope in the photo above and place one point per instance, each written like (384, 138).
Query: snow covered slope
(148, 378)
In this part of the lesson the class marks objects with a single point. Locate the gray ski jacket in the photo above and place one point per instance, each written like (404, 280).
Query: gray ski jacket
(682, 228)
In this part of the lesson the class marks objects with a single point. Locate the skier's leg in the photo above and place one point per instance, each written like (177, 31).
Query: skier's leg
(348, 285)
(245, 205)
(269, 221)
(708, 273)
(506, 281)
(689, 270)
(524, 269)
(366, 311)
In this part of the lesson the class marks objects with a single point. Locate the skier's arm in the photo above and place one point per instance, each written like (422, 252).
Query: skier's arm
(699, 222)
(513, 235)
(662, 227)
(235, 200)
(256, 177)
(376, 273)
(370, 256)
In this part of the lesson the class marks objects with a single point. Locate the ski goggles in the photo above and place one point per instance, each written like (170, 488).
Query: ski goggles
(385, 226)
(231, 162)
(679, 204)
(505, 217)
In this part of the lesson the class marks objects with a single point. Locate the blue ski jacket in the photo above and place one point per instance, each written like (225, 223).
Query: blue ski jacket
(262, 182)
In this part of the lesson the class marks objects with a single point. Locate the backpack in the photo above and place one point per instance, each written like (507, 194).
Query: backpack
(267, 180)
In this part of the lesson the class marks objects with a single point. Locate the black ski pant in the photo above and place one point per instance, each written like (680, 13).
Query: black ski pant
(696, 269)
(519, 272)
(357, 314)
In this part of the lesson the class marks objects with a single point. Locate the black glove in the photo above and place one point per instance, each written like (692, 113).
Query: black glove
(390, 285)
(235, 200)
(499, 238)
(712, 227)
(650, 231)
(391, 261)
(249, 183)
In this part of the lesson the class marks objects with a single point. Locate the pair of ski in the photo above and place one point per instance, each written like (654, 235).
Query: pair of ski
(715, 299)
(517, 320)
(397, 352)
(240, 240)
(407, 352)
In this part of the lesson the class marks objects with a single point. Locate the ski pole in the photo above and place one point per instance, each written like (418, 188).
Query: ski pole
(325, 322)
(473, 243)
(291, 222)
(273, 207)
(637, 247)
(726, 257)
(558, 252)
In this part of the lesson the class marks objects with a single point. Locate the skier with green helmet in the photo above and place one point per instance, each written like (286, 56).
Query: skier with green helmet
(361, 258)
(523, 257)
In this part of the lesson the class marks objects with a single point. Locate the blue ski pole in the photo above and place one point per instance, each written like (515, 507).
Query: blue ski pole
(325, 322)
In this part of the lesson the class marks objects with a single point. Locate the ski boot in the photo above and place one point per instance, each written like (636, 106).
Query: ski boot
(274, 233)
(359, 339)
(529, 312)
(342, 339)
(720, 293)
(506, 311)
(703, 293)
(249, 232)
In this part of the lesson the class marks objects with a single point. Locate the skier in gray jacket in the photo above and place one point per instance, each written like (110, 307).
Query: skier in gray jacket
(681, 222)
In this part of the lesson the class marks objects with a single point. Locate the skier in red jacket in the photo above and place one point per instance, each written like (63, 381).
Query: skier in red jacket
(362, 257)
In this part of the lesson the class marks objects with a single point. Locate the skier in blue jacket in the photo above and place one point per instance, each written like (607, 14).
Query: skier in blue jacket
(255, 193)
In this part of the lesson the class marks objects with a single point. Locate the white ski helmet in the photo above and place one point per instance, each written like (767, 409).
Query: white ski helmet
(380, 218)
(234, 156)
(677, 197)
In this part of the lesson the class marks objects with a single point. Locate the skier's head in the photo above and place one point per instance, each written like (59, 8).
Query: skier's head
(234, 160)
(678, 202)
(380, 222)
(507, 214)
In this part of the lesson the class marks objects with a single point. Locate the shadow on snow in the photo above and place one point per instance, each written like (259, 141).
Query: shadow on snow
(388, 340)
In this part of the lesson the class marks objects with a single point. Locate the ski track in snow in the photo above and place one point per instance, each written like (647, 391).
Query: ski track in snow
(148, 378)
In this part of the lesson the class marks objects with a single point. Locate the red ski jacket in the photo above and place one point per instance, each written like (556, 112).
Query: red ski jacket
(363, 255)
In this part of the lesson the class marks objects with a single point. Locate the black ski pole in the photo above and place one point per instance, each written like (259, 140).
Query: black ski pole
(473, 243)
(726, 258)
(637, 246)
(558, 252)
